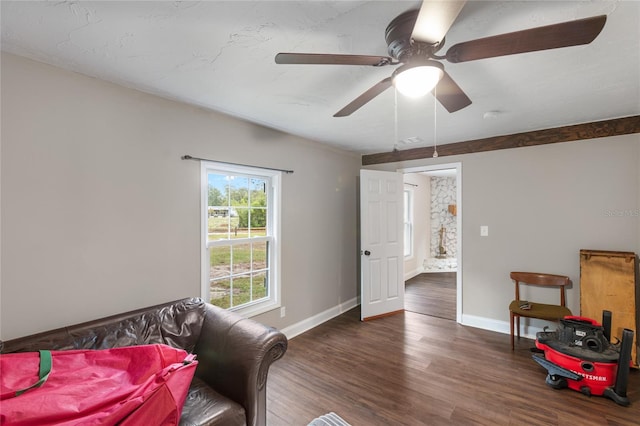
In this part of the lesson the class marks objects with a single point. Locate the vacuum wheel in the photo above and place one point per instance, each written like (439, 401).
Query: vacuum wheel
(556, 382)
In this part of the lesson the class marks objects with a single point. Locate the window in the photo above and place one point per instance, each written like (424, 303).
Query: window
(240, 237)
(408, 223)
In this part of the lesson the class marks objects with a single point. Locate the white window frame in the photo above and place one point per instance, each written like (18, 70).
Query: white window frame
(273, 234)
(408, 221)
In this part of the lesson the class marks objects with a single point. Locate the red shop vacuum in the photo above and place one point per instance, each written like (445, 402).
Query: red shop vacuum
(579, 356)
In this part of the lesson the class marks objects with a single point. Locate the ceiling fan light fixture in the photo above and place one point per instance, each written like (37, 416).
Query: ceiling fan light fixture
(417, 79)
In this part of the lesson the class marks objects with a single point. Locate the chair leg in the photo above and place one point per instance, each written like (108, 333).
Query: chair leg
(518, 325)
(511, 327)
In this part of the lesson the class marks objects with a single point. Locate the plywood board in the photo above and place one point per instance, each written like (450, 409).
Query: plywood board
(608, 282)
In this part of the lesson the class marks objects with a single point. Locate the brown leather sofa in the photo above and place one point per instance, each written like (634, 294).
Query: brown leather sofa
(234, 354)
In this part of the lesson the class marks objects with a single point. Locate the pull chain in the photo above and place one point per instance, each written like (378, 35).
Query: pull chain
(395, 119)
(435, 105)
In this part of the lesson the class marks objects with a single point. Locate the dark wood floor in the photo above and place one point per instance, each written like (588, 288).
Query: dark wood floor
(432, 293)
(413, 369)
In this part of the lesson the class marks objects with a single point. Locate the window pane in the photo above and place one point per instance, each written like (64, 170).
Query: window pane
(241, 290)
(260, 257)
(258, 221)
(237, 207)
(258, 189)
(242, 229)
(220, 216)
(218, 225)
(260, 285)
(258, 212)
(218, 191)
(239, 191)
(407, 239)
(241, 258)
(408, 225)
(407, 206)
(221, 293)
(239, 273)
(220, 261)
(249, 288)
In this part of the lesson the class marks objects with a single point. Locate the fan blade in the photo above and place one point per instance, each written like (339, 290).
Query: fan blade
(434, 20)
(329, 59)
(450, 95)
(572, 33)
(374, 91)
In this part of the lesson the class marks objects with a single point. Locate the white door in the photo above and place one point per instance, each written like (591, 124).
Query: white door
(381, 249)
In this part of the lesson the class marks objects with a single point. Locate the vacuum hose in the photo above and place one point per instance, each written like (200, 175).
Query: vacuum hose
(618, 392)
(622, 376)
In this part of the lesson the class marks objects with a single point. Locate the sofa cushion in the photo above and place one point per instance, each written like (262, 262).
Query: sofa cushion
(205, 406)
(176, 324)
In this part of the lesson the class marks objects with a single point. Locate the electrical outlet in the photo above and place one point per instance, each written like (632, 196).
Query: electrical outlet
(484, 231)
(283, 312)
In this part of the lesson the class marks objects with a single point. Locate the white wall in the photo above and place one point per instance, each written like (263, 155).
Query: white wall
(100, 215)
(421, 222)
(542, 205)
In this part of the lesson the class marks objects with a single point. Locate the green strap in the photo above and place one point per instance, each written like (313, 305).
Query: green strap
(43, 374)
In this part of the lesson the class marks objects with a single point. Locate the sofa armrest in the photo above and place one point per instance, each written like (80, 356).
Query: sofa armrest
(234, 355)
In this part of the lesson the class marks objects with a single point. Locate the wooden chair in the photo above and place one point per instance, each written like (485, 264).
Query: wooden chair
(537, 310)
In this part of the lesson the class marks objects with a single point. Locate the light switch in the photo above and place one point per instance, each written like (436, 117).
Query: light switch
(484, 231)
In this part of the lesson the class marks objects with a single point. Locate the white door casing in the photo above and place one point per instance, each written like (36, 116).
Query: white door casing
(459, 272)
(381, 207)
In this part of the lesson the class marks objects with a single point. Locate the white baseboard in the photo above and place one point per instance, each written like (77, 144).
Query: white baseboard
(411, 274)
(314, 321)
(526, 330)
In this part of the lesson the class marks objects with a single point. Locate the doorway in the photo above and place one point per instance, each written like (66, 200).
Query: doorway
(433, 294)
(433, 265)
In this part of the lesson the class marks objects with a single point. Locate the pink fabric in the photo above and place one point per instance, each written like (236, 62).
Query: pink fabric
(131, 385)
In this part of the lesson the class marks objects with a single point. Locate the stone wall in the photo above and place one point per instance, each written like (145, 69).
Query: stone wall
(443, 194)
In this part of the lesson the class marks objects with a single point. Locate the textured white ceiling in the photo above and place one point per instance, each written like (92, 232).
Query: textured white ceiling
(220, 55)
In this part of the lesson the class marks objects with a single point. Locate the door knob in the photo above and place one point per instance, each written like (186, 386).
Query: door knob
(367, 252)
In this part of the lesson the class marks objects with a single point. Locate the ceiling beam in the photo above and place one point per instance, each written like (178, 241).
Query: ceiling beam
(598, 129)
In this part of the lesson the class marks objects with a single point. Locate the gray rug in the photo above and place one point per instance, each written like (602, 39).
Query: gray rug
(329, 419)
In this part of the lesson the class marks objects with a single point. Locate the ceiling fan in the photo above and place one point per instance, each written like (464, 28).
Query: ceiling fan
(414, 38)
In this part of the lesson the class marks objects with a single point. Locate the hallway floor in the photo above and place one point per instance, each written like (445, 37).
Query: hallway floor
(432, 294)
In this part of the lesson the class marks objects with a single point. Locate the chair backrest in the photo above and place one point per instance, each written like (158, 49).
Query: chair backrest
(535, 278)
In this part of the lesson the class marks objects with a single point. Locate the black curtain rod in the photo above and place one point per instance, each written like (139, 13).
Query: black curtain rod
(412, 184)
(188, 157)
